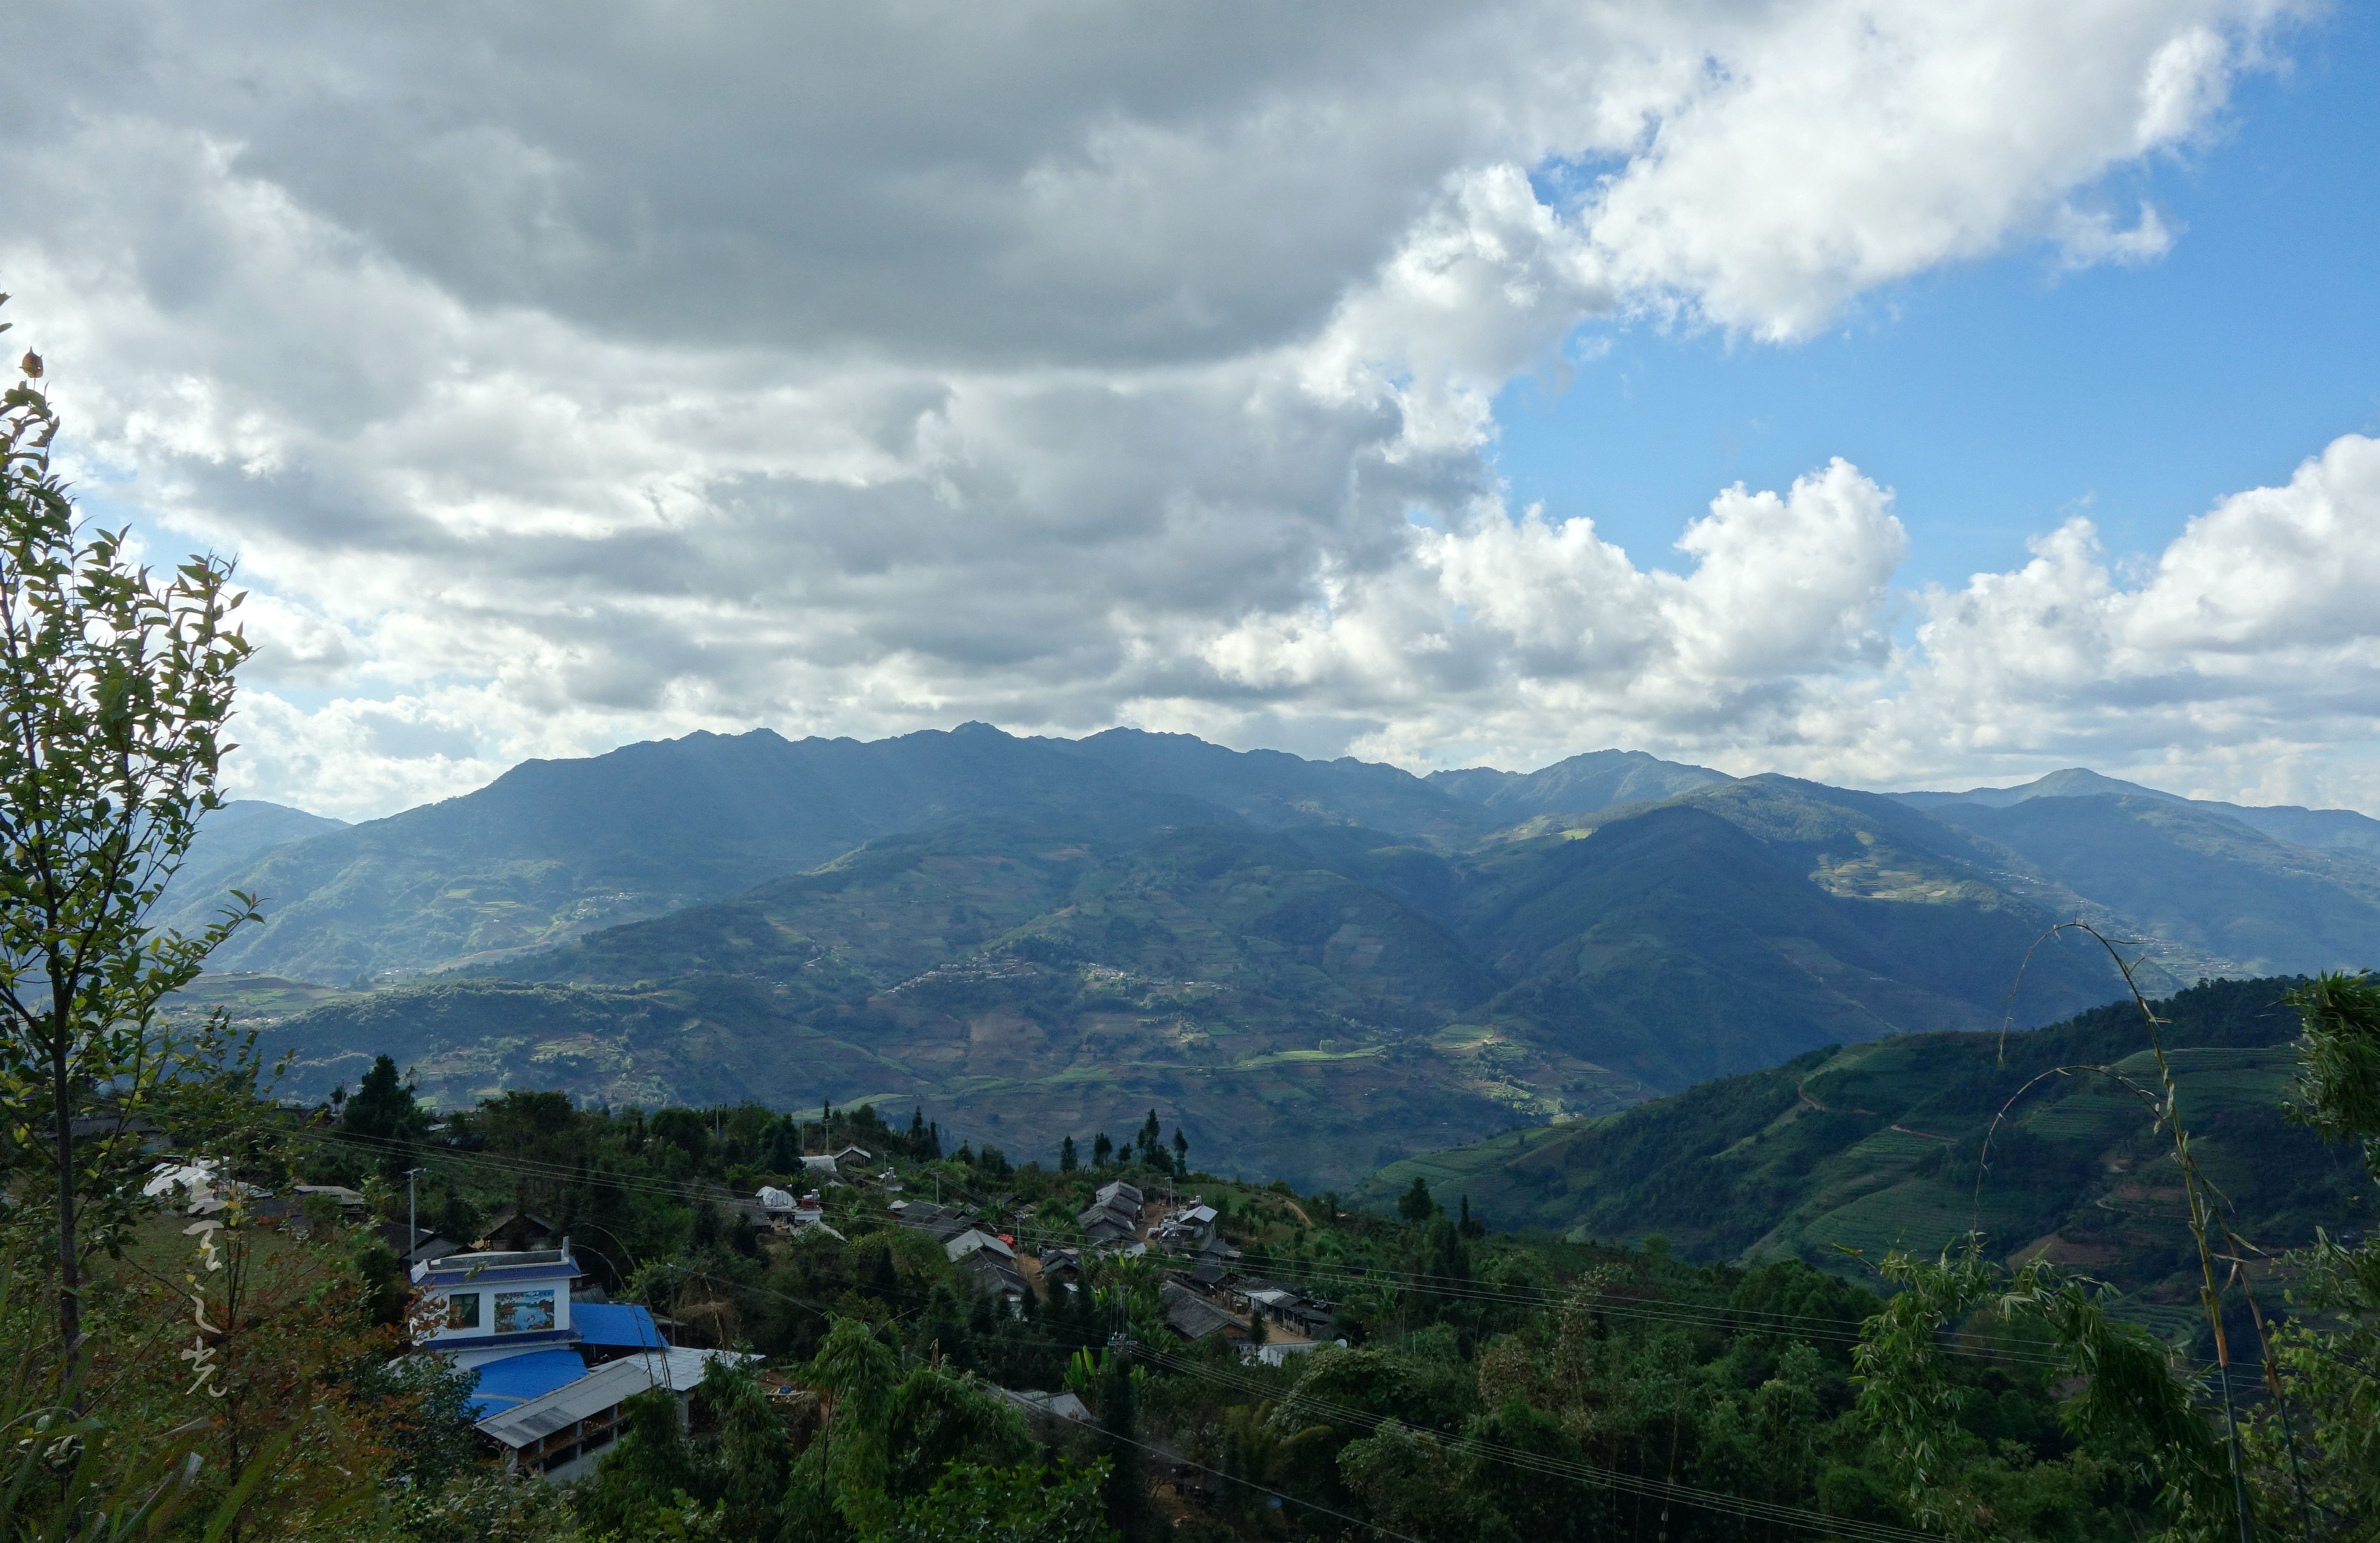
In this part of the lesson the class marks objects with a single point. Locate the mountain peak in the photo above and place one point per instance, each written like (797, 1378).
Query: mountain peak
(2072, 782)
(1587, 784)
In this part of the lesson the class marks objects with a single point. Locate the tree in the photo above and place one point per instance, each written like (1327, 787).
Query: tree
(1180, 1152)
(1067, 1160)
(1029, 1503)
(1414, 1204)
(2320, 1443)
(385, 1113)
(114, 689)
(783, 1152)
(1125, 1491)
(1146, 1141)
(1101, 1150)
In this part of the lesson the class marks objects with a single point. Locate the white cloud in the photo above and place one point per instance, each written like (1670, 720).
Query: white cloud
(853, 370)
(2254, 640)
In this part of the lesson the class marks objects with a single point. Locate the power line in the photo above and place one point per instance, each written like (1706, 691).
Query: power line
(1660, 1310)
(1609, 1478)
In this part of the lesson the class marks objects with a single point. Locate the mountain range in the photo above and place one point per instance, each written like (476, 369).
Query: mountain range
(1316, 967)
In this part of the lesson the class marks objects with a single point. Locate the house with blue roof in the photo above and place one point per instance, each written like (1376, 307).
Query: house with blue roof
(550, 1372)
(493, 1306)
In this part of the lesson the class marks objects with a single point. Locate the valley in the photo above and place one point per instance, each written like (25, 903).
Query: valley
(1317, 968)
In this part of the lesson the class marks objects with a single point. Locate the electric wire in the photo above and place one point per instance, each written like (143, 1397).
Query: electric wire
(1799, 1517)
(1612, 1480)
(1661, 1310)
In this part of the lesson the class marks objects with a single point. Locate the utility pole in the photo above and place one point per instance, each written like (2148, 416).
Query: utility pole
(412, 1220)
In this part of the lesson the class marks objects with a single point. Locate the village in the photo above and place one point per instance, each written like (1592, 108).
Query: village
(554, 1359)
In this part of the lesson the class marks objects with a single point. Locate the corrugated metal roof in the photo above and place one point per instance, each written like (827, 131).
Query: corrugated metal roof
(677, 1369)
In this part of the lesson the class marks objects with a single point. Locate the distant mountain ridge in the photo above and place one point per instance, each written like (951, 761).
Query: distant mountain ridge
(229, 840)
(1582, 785)
(1320, 964)
(1304, 999)
(2334, 830)
(552, 849)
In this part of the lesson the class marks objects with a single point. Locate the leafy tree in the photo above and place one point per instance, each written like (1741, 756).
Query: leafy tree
(1414, 1205)
(115, 685)
(651, 1468)
(1067, 1160)
(384, 1112)
(2319, 1444)
(1180, 1152)
(1102, 1149)
(383, 1107)
(1029, 1503)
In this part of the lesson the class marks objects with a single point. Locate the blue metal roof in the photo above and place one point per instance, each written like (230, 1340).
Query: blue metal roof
(615, 1324)
(518, 1379)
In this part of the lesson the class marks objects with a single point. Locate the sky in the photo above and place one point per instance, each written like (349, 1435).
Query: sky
(1913, 394)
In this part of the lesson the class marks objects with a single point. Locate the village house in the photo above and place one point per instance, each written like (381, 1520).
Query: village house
(562, 1432)
(1112, 1217)
(1194, 1318)
(493, 1305)
(550, 1371)
(515, 1231)
(1187, 1230)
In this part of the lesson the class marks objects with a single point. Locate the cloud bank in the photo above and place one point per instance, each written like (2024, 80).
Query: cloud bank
(859, 369)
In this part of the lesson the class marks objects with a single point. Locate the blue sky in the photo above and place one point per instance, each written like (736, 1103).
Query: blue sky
(1995, 398)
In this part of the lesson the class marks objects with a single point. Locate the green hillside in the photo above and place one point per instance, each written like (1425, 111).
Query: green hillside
(1878, 1146)
(1314, 1001)
(1321, 967)
(1677, 946)
(1013, 980)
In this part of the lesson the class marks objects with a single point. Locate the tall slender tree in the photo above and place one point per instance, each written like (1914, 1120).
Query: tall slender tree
(115, 685)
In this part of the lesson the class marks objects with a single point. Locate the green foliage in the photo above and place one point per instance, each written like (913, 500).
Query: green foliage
(2338, 1057)
(1803, 1159)
(115, 685)
(2129, 1399)
(1027, 1503)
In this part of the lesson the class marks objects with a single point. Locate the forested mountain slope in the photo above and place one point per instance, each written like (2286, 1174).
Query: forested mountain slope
(1313, 1001)
(554, 849)
(1878, 1146)
(1320, 966)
